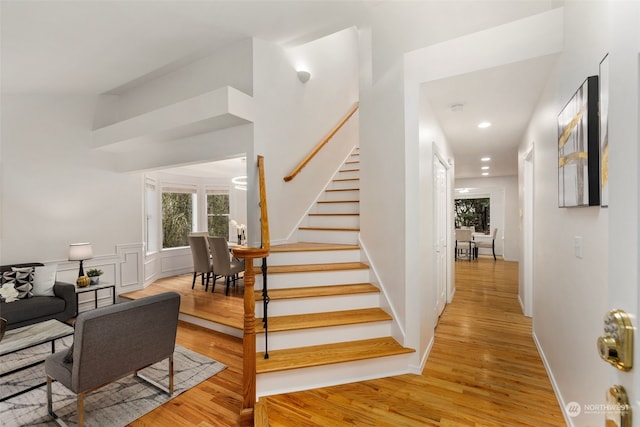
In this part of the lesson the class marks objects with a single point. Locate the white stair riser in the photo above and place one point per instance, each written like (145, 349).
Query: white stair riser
(287, 307)
(339, 221)
(337, 185)
(327, 236)
(315, 278)
(343, 207)
(320, 336)
(341, 195)
(313, 257)
(328, 375)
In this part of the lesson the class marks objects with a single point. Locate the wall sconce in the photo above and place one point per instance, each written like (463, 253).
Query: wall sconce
(80, 252)
(304, 76)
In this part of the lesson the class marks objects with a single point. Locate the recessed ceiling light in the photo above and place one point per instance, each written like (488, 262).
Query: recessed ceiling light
(485, 173)
(459, 106)
(483, 125)
(484, 168)
(485, 159)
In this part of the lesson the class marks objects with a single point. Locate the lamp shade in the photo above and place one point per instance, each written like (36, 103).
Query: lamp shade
(80, 251)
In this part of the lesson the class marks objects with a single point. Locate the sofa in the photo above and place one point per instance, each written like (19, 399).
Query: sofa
(61, 305)
(114, 341)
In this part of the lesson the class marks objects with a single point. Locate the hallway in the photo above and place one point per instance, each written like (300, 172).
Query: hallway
(483, 369)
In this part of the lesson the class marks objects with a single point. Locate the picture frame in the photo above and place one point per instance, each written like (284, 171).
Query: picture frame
(579, 148)
(603, 114)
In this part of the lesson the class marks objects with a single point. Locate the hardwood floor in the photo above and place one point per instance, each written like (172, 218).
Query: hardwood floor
(483, 369)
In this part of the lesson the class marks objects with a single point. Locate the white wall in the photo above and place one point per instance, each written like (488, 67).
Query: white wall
(292, 117)
(571, 294)
(229, 66)
(56, 191)
(503, 192)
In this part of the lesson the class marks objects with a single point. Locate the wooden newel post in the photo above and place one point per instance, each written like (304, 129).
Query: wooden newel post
(249, 337)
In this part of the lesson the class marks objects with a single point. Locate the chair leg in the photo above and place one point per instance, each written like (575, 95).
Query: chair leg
(80, 409)
(206, 288)
(193, 284)
(493, 247)
(49, 399)
(170, 375)
(226, 292)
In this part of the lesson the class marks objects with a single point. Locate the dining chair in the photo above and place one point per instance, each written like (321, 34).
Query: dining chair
(223, 265)
(485, 243)
(201, 261)
(464, 243)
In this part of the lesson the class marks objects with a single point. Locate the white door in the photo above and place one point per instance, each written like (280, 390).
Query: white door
(440, 232)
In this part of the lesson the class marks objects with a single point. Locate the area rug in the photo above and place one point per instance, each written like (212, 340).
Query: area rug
(114, 405)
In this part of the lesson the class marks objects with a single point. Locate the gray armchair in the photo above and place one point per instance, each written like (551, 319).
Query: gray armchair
(114, 341)
(222, 263)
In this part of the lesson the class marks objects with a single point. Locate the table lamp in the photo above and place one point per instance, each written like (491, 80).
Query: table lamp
(80, 252)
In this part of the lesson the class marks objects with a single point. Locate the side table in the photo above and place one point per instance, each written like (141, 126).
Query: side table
(95, 289)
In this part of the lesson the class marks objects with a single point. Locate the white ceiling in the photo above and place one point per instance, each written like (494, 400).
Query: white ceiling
(221, 169)
(504, 96)
(95, 47)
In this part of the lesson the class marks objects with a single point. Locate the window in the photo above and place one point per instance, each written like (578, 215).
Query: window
(473, 213)
(178, 208)
(218, 213)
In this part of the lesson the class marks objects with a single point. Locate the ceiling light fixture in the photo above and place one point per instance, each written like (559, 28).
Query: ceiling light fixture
(484, 125)
(485, 173)
(304, 76)
(459, 106)
(485, 159)
(484, 168)
(240, 182)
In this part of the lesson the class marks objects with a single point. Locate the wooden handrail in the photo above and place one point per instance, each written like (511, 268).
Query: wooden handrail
(321, 144)
(249, 337)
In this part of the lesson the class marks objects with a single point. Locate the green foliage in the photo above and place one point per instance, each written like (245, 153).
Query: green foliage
(473, 213)
(218, 215)
(94, 272)
(177, 216)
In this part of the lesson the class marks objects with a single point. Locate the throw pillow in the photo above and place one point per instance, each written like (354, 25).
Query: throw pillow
(43, 280)
(8, 292)
(22, 279)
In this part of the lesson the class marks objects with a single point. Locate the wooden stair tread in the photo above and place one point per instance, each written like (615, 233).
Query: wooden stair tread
(318, 291)
(322, 320)
(329, 228)
(318, 355)
(312, 246)
(350, 170)
(338, 201)
(345, 179)
(341, 189)
(334, 214)
(305, 268)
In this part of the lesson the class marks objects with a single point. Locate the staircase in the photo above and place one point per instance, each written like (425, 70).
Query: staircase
(326, 325)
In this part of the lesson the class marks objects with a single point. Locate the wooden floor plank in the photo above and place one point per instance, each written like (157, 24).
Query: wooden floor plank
(483, 369)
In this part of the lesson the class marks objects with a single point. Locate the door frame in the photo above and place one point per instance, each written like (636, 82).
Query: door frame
(450, 282)
(528, 195)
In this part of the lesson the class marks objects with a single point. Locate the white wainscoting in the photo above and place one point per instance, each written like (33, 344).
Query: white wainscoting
(123, 268)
